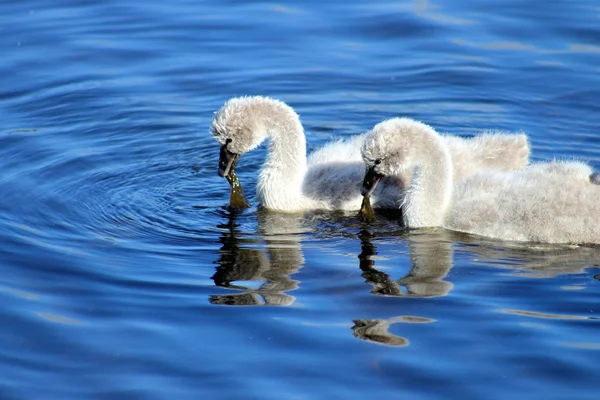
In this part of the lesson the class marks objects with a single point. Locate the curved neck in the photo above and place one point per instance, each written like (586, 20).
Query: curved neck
(280, 181)
(429, 193)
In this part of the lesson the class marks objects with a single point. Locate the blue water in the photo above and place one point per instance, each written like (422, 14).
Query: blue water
(124, 276)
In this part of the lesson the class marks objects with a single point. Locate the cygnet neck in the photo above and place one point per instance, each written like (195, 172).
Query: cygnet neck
(429, 193)
(280, 181)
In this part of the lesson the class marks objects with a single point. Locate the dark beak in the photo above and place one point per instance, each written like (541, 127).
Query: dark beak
(370, 182)
(226, 161)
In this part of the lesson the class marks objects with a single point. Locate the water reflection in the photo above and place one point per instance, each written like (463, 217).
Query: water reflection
(258, 267)
(534, 314)
(431, 259)
(241, 267)
(377, 330)
(534, 261)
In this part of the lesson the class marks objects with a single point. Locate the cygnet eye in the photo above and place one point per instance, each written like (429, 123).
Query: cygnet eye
(228, 140)
(378, 161)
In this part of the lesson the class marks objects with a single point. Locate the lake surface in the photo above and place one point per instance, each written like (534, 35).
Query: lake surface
(123, 275)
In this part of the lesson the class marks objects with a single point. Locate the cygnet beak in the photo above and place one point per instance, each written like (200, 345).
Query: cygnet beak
(226, 161)
(370, 182)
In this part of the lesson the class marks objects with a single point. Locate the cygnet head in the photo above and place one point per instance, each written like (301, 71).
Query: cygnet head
(389, 149)
(239, 126)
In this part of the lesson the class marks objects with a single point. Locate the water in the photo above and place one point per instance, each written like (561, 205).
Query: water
(120, 265)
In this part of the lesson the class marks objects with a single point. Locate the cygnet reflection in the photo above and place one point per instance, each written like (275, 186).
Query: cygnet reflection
(533, 260)
(258, 268)
(431, 258)
(377, 330)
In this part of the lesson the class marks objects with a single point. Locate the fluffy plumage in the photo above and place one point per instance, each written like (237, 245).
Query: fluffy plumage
(555, 202)
(331, 177)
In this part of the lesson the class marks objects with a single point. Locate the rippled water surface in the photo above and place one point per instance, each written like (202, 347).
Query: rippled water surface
(124, 276)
